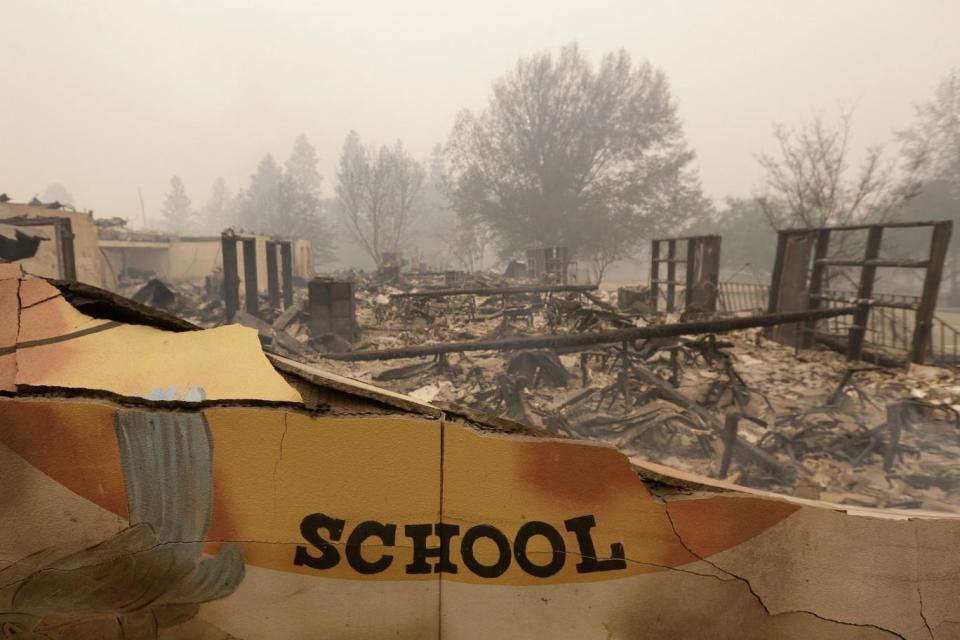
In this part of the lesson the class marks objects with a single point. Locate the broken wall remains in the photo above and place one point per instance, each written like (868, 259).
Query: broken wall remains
(90, 266)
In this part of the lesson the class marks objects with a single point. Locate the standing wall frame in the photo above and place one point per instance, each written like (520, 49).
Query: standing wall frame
(800, 276)
(701, 279)
(279, 277)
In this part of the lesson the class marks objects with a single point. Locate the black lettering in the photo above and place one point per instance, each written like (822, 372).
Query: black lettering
(370, 529)
(503, 547)
(559, 549)
(419, 533)
(310, 528)
(589, 562)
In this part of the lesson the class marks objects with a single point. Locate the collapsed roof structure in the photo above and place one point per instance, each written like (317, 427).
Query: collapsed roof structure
(165, 480)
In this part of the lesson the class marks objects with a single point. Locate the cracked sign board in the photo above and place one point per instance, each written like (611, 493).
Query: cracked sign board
(133, 516)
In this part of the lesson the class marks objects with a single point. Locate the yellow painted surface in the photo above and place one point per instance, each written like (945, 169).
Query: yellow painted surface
(273, 468)
(58, 346)
(9, 306)
(276, 467)
(523, 480)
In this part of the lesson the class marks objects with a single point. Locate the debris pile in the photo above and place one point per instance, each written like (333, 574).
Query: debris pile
(285, 331)
(805, 423)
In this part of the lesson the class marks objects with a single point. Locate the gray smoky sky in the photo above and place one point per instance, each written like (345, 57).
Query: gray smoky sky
(108, 96)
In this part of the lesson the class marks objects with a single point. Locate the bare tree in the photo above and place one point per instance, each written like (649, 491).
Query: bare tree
(932, 143)
(567, 153)
(405, 178)
(467, 240)
(217, 212)
(931, 148)
(810, 182)
(377, 194)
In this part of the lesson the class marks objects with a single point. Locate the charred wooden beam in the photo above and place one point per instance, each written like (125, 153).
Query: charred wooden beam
(868, 275)
(250, 288)
(922, 335)
(273, 275)
(865, 227)
(904, 263)
(886, 304)
(505, 291)
(585, 340)
(654, 274)
(817, 277)
(671, 275)
(231, 277)
(286, 272)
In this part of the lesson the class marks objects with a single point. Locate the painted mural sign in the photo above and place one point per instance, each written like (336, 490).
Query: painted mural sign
(163, 497)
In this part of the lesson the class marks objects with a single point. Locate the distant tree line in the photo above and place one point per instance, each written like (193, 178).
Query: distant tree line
(593, 157)
(811, 181)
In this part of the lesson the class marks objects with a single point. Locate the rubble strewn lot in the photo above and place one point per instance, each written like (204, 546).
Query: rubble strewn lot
(809, 423)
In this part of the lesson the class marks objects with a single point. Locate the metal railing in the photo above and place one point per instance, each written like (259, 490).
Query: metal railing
(945, 345)
(736, 297)
(889, 327)
(890, 324)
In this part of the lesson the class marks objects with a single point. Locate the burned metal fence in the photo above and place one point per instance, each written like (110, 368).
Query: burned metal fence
(739, 297)
(945, 344)
(891, 327)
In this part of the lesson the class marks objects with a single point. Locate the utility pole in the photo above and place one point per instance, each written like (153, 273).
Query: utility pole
(143, 213)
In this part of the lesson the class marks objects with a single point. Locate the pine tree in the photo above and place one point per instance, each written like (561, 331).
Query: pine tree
(261, 206)
(218, 213)
(177, 214)
(301, 213)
